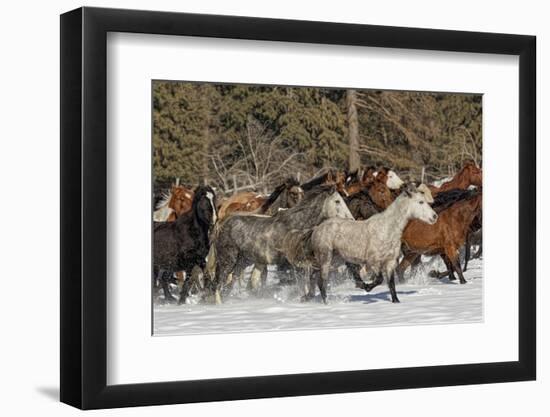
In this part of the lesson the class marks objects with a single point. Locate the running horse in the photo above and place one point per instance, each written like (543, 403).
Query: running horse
(183, 245)
(444, 238)
(246, 239)
(375, 242)
(470, 174)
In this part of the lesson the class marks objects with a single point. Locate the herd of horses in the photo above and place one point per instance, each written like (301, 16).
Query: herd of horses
(368, 224)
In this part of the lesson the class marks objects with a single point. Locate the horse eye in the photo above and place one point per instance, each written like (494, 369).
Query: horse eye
(337, 201)
(421, 202)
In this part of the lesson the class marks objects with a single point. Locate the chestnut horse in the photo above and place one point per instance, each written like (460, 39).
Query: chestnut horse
(286, 195)
(243, 201)
(444, 238)
(470, 174)
(355, 185)
(174, 204)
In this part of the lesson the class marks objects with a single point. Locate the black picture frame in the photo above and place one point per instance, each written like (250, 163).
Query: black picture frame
(84, 207)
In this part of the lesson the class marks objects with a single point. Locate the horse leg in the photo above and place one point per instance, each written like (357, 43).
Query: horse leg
(449, 272)
(391, 286)
(263, 276)
(454, 260)
(185, 288)
(467, 252)
(377, 281)
(226, 265)
(310, 289)
(479, 252)
(164, 279)
(238, 271)
(356, 275)
(255, 277)
(323, 281)
(407, 261)
(450, 269)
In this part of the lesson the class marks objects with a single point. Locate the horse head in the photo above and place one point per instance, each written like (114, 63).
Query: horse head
(380, 193)
(387, 175)
(335, 206)
(204, 205)
(423, 188)
(418, 206)
(473, 173)
(294, 195)
(180, 200)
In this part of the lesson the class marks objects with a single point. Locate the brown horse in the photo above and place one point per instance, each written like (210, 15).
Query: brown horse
(362, 183)
(470, 174)
(181, 201)
(286, 195)
(174, 204)
(244, 201)
(444, 238)
(380, 193)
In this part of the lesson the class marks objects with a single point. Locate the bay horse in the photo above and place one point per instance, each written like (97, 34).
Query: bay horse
(183, 244)
(173, 204)
(246, 239)
(470, 174)
(375, 242)
(444, 238)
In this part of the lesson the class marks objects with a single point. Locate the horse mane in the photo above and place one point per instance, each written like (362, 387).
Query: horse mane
(446, 199)
(288, 183)
(306, 186)
(352, 176)
(309, 197)
(164, 200)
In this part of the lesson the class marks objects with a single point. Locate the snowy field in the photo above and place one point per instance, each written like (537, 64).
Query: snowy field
(424, 300)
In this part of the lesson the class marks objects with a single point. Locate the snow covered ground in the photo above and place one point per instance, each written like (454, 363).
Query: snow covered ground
(424, 300)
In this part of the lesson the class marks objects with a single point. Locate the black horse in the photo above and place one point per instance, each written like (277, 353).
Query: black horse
(183, 245)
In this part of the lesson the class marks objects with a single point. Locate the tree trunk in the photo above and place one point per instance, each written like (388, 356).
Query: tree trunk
(353, 130)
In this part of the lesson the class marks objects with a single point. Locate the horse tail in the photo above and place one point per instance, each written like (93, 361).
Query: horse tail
(211, 257)
(298, 247)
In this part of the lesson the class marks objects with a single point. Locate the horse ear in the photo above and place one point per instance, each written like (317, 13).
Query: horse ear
(410, 189)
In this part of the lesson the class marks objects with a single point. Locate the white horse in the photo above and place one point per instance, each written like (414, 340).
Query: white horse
(393, 182)
(375, 242)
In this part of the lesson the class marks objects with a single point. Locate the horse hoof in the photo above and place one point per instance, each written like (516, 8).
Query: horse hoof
(433, 274)
(396, 300)
(170, 300)
(361, 285)
(463, 281)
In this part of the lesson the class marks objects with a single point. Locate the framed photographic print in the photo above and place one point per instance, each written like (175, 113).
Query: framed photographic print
(294, 207)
